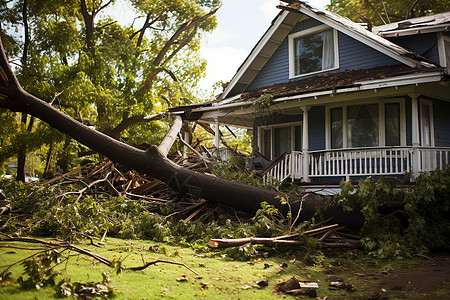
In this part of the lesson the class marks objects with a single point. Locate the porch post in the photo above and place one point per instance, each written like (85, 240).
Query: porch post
(217, 134)
(305, 144)
(415, 134)
(187, 139)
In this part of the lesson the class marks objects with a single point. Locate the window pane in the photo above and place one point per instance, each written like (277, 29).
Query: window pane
(426, 125)
(282, 140)
(298, 138)
(314, 52)
(336, 128)
(392, 124)
(266, 143)
(363, 125)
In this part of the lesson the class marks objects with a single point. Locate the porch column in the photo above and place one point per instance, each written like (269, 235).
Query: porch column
(187, 139)
(217, 134)
(415, 134)
(305, 144)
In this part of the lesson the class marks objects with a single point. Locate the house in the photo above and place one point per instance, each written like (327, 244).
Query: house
(326, 99)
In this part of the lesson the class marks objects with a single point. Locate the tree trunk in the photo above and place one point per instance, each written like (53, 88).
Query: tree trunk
(153, 162)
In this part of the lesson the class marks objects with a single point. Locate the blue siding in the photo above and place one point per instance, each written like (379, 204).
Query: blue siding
(441, 112)
(424, 44)
(316, 128)
(352, 55)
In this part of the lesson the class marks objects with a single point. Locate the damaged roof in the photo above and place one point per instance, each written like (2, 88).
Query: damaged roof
(433, 23)
(332, 81)
(286, 20)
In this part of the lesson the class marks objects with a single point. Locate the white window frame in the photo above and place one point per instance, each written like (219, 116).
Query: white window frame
(430, 104)
(381, 121)
(305, 32)
(278, 125)
(442, 39)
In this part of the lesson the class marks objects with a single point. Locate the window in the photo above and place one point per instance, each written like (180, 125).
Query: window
(313, 50)
(362, 124)
(336, 128)
(444, 49)
(392, 124)
(279, 139)
(367, 125)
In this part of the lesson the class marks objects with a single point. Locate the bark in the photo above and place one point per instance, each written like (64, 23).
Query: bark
(155, 163)
(181, 37)
(21, 158)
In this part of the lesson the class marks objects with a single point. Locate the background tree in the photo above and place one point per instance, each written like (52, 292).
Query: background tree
(103, 73)
(379, 12)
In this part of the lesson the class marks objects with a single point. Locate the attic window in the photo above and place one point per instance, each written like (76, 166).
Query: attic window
(313, 50)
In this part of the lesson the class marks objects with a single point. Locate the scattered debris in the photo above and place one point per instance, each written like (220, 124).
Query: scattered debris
(339, 285)
(263, 283)
(294, 287)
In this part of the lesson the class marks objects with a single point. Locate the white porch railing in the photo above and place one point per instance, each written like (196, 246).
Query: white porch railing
(287, 166)
(382, 161)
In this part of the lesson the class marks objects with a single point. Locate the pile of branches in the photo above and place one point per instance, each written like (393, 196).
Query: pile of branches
(107, 179)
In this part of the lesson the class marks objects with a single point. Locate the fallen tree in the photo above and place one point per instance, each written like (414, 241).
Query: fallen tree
(154, 162)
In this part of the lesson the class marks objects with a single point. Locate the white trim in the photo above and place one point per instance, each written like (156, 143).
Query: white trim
(412, 31)
(361, 34)
(442, 39)
(264, 40)
(381, 121)
(312, 30)
(364, 85)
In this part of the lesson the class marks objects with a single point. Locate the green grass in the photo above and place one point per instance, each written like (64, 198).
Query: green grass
(218, 277)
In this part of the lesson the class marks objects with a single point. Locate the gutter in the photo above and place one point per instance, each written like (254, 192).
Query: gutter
(359, 86)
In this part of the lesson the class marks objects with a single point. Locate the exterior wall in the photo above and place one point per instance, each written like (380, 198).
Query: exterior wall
(352, 55)
(424, 44)
(441, 111)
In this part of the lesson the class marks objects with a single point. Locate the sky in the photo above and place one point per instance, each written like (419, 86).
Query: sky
(241, 23)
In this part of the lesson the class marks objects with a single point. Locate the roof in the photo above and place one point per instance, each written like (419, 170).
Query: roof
(286, 20)
(420, 25)
(333, 81)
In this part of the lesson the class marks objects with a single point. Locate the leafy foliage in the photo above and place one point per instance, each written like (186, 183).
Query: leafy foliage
(383, 12)
(401, 221)
(263, 102)
(99, 71)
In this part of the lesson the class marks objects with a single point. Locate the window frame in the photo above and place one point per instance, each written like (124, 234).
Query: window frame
(443, 59)
(271, 127)
(306, 32)
(381, 122)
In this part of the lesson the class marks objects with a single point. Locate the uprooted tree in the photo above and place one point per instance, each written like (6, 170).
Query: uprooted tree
(154, 162)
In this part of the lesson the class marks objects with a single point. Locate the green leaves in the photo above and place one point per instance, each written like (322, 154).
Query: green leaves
(393, 230)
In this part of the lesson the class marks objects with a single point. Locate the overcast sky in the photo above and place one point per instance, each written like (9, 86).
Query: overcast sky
(241, 23)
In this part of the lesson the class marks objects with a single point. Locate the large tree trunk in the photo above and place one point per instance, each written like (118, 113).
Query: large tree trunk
(153, 162)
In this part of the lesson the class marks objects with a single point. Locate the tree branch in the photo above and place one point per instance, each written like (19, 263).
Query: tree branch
(171, 136)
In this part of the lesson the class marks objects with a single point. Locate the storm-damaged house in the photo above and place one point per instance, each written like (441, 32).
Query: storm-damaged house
(327, 99)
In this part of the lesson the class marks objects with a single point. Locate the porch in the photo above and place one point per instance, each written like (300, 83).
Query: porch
(346, 163)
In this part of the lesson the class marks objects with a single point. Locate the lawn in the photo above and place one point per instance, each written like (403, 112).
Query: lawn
(220, 277)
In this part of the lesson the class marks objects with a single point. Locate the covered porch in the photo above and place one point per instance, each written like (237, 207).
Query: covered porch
(347, 163)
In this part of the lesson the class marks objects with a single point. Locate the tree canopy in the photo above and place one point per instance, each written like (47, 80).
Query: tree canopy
(379, 12)
(102, 72)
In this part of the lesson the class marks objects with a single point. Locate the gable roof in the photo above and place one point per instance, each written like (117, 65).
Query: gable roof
(288, 18)
(420, 25)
